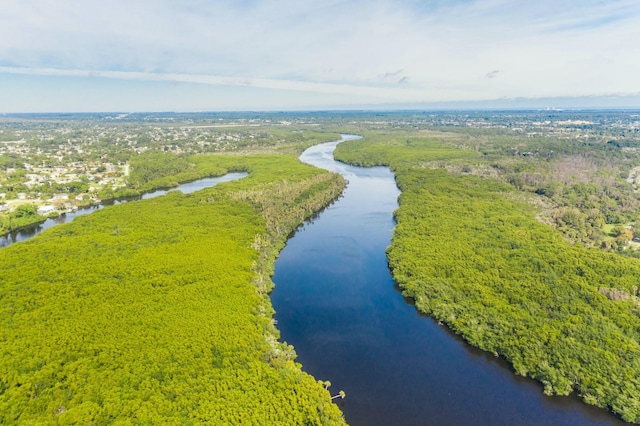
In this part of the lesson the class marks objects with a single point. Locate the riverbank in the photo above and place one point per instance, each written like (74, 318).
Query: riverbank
(31, 229)
(507, 283)
(157, 311)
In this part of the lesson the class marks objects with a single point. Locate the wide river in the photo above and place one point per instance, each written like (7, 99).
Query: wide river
(337, 304)
(31, 231)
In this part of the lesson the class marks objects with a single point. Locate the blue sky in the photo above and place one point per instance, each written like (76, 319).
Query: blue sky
(171, 55)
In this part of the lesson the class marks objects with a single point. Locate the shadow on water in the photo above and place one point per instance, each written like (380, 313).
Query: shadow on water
(338, 305)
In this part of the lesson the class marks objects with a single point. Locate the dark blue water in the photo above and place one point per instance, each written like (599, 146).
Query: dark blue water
(336, 303)
(31, 231)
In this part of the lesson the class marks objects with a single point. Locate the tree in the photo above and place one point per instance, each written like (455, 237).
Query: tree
(25, 210)
(623, 234)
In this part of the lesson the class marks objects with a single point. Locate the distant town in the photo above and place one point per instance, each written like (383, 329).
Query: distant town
(59, 162)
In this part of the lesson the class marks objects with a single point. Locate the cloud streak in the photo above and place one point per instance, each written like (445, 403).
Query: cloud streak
(289, 85)
(376, 50)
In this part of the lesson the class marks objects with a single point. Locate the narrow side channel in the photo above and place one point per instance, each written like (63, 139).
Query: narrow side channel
(26, 233)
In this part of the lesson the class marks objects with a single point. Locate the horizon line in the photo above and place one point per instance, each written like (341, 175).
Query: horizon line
(339, 110)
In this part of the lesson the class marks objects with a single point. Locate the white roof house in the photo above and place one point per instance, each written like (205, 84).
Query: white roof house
(44, 210)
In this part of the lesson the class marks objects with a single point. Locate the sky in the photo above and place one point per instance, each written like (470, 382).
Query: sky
(217, 55)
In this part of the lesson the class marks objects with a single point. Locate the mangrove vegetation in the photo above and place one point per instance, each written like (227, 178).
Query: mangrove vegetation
(519, 231)
(157, 311)
(472, 250)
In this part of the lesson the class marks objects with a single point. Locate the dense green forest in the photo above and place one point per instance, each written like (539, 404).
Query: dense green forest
(581, 187)
(83, 150)
(471, 249)
(157, 311)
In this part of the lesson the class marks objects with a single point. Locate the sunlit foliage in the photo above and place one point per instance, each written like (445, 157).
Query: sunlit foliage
(156, 311)
(476, 259)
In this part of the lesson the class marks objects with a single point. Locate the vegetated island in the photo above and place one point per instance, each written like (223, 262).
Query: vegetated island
(158, 311)
(471, 249)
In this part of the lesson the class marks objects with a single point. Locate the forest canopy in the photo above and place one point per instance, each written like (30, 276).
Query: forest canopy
(471, 253)
(156, 311)
(519, 231)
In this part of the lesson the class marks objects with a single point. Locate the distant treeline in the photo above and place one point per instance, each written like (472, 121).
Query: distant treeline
(469, 250)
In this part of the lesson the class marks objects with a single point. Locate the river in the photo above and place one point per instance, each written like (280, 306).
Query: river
(337, 305)
(186, 188)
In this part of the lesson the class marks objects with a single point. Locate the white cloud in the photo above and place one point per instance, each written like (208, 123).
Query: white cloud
(444, 48)
(378, 93)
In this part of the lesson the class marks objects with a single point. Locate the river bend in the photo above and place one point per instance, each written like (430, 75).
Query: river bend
(337, 305)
